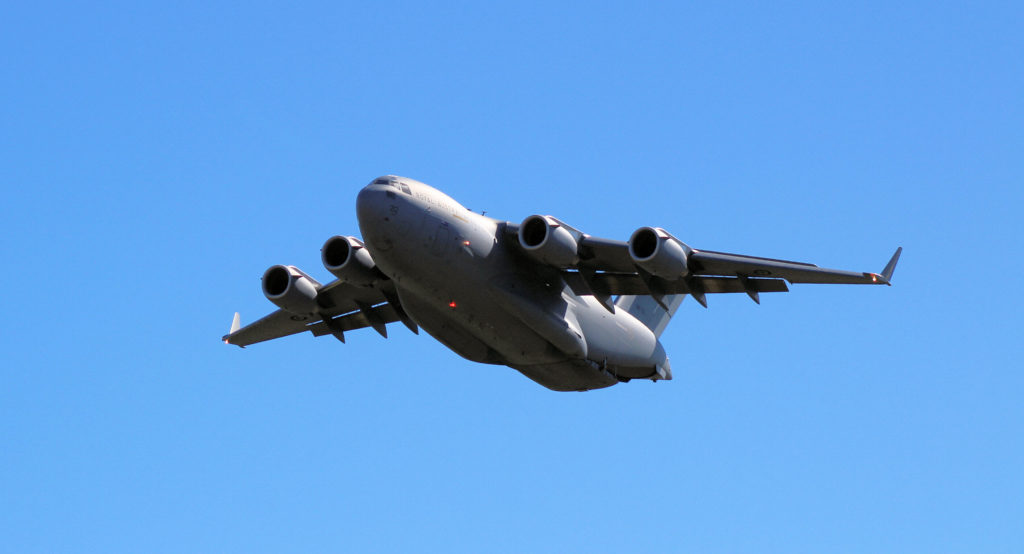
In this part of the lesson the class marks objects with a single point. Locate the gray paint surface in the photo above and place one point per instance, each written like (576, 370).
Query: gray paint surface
(490, 293)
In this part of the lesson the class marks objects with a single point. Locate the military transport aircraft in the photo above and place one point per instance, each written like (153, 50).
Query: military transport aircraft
(570, 311)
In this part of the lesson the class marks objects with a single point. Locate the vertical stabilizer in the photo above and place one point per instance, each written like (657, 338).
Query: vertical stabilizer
(647, 310)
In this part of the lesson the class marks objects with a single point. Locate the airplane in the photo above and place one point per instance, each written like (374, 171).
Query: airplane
(568, 310)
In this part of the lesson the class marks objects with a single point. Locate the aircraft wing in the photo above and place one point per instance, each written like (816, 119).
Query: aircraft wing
(605, 268)
(613, 256)
(343, 307)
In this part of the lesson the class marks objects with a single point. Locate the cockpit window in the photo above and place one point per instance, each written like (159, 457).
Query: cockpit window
(391, 181)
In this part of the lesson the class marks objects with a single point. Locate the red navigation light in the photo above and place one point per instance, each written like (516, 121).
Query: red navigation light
(451, 304)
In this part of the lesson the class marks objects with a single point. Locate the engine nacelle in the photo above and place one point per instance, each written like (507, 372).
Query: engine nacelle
(348, 260)
(545, 239)
(659, 253)
(291, 289)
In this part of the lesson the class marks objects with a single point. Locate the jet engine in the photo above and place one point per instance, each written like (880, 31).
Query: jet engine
(546, 239)
(348, 260)
(291, 289)
(657, 252)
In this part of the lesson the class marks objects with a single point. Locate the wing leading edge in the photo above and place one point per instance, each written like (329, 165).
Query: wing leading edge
(343, 307)
(606, 268)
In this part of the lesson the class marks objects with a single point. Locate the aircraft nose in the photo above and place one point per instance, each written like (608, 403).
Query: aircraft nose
(371, 201)
(374, 205)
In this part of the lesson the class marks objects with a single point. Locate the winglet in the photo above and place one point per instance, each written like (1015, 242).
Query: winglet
(891, 266)
(236, 324)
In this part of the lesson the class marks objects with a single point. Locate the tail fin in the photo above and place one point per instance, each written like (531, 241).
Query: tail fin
(649, 312)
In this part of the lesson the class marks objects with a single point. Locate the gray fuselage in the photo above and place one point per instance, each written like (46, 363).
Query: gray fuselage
(479, 294)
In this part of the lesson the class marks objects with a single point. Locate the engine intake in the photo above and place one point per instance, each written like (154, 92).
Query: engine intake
(657, 252)
(546, 239)
(348, 260)
(291, 289)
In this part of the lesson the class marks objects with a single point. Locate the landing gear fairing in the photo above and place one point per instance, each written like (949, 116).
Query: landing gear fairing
(570, 311)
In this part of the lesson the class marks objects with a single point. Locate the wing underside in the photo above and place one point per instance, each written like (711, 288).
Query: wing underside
(606, 268)
(342, 307)
(634, 284)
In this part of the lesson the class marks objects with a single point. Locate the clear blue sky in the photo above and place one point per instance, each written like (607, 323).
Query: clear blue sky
(156, 159)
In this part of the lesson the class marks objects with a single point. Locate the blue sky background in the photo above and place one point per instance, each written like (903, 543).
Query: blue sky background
(156, 159)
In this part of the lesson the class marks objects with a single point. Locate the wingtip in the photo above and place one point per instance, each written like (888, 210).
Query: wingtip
(891, 266)
(236, 324)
